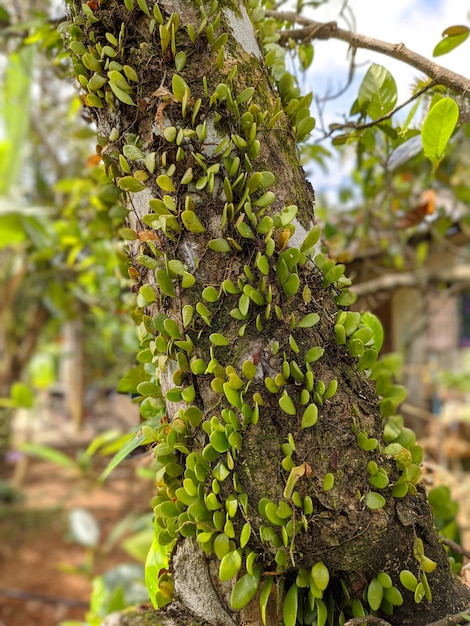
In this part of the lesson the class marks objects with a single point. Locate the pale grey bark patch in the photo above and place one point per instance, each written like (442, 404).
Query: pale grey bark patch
(166, 383)
(140, 207)
(299, 235)
(194, 585)
(188, 254)
(242, 29)
(213, 137)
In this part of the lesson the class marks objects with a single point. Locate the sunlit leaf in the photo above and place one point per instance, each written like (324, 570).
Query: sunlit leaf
(129, 183)
(47, 453)
(454, 36)
(121, 94)
(290, 607)
(378, 91)
(375, 594)
(157, 559)
(179, 87)
(374, 500)
(373, 322)
(15, 100)
(245, 588)
(438, 127)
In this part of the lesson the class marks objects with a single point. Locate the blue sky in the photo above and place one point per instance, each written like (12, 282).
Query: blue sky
(416, 23)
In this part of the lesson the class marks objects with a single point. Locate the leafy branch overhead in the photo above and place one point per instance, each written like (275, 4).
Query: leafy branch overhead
(329, 30)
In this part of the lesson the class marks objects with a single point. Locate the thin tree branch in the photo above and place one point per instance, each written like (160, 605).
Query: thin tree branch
(330, 30)
(23, 594)
(450, 620)
(387, 116)
(454, 274)
(453, 545)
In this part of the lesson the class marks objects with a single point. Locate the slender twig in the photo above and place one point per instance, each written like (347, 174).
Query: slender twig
(456, 547)
(330, 30)
(450, 620)
(338, 94)
(422, 277)
(384, 117)
(23, 594)
(320, 102)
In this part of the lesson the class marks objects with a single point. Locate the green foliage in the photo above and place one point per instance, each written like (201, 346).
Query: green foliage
(453, 36)
(438, 127)
(378, 92)
(14, 107)
(445, 511)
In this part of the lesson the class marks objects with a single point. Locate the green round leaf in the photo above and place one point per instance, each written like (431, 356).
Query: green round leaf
(328, 482)
(220, 245)
(218, 340)
(191, 222)
(393, 595)
(375, 593)
(210, 294)
(419, 593)
(385, 580)
(230, 564)
(129, 183)
(311, 239)
(438, 127)
(245, 534)
(374, 500)
(310, 416)
(320, 575)
(378, 91)
(165, 283)
(287, 405)
(373, 322)
(290, 606)
(221, 546)
(179, 87)
(314, 354)
(245, 588)
(309, 320)
(165, 183)
(219, 441)
(408, 580)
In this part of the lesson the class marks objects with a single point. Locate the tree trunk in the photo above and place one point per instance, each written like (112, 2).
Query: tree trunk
(263, 460)
(21, 319)
(73, 369)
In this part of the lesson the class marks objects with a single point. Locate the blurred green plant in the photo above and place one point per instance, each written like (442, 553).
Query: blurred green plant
(60, 258)
(106, 443)
(123, 585)
(445, 511)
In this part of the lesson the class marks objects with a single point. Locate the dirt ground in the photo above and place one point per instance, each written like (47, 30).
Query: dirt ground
(38, 586)
(40, 579)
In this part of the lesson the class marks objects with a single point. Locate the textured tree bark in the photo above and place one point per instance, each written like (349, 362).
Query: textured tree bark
(207, 258)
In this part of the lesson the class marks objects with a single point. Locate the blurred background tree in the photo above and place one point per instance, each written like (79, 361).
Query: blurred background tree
(63, 271)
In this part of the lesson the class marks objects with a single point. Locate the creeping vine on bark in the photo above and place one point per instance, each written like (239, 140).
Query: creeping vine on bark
(287, 482)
